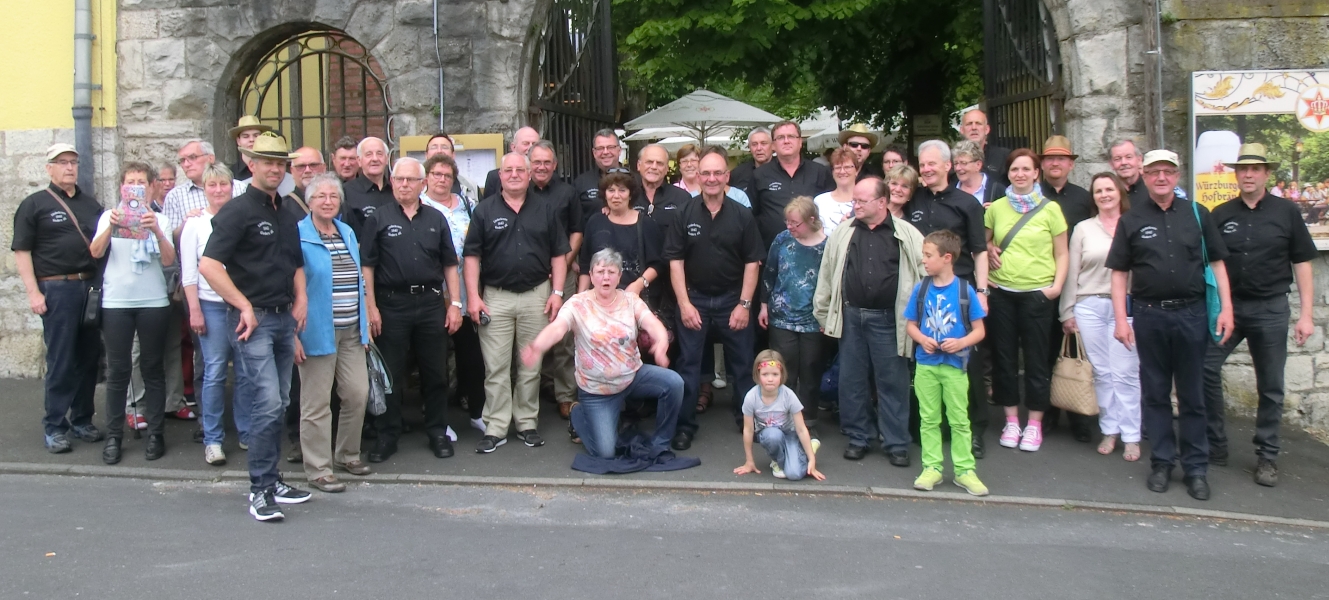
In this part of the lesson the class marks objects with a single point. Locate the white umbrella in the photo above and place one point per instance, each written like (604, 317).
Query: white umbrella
(703, 112)
(659, 133)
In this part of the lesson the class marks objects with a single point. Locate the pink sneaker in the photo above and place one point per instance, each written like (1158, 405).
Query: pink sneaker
(1010, 435)
(1033, 438)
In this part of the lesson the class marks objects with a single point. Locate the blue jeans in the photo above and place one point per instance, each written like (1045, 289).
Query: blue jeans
(1172, 344)
(868, 356)
(596, 417)
(786, 450)
(264, 363)
(738, 353)
(215, 348)
(72, 352)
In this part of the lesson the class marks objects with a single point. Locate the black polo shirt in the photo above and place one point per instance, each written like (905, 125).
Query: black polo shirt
(42, 227)
(1162, 251)
(240, 171)
(994, 163)
(772, 189)
(363, 197)
(1138, 192)
(870, 168)
(741, 176)
(587, 186)
(407, 251)
(1263, 243)
(955, 211)
(259, 243)
(1076, 202)
(563, 198)
(872, 266)
(714, 251)
(295, 204)
(664, 208)
(515, 249)
(492, 184)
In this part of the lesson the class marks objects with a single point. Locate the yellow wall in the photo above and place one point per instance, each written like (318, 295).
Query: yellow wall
(37, 44)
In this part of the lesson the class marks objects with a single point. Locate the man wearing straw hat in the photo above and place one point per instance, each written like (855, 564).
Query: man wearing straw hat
(860, 142)
(252, 260)
(244, 133)
(1268, 243)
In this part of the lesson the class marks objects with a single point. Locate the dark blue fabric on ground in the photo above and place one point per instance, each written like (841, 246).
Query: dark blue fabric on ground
(632, 455)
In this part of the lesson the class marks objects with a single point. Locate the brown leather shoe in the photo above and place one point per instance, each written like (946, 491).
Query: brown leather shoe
(355, 467)
(329, 484)
(565, 410)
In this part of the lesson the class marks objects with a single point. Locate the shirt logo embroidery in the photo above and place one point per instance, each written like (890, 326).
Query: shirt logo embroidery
(266, 228)
(1148, 233)
(694, 230)
(394, 230)
(916, 216)
(774, 186)
(59, 216)
(368, 211)
(1230, 227)
(500, 223)
(593, 193)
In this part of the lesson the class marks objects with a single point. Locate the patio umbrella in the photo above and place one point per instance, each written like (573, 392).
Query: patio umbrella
(703, 112)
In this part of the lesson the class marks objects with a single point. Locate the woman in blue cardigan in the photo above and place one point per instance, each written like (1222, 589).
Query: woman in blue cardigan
(334, 339)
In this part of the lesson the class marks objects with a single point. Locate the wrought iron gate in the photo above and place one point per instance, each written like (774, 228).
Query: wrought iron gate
(1022, 73)
(575, 80)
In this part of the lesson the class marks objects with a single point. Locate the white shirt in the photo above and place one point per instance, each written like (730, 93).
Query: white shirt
(193, 240)
(121, 286)
(831, 212)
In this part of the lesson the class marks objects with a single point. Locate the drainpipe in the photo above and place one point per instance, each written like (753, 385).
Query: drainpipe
(1153, 74)
(83, 92)
(438, 54)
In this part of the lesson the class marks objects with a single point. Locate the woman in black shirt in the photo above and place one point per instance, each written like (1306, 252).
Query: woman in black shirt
(629, 233)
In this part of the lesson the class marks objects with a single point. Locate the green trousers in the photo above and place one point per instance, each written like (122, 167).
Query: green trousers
(937, 386)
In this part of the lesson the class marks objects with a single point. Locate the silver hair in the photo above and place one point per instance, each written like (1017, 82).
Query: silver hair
(408, 160)
(757, 130)
(206, 147)
(545, 144)
(360, 148)
(1123, 142)
(644, 148)
(968, 149)
(937, 145)
(608, 257)
(216, 170)
(525, 159)
(326, 179)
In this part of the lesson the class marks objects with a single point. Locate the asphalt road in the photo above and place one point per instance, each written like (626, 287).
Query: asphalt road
(125, 538)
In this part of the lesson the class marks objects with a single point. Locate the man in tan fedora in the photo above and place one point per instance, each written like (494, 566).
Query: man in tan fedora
(1268, 244)
(244, 133)
(860, 142)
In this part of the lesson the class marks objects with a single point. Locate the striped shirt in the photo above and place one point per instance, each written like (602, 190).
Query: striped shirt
(345, 283)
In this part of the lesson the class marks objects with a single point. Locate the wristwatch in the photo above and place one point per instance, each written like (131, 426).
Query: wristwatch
(456, 303)
(984, 291)
(747, 304)
(558, 293)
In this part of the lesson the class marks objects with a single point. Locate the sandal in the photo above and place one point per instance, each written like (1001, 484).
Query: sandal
(1132, 452)
(704, 397)
(1108, 444)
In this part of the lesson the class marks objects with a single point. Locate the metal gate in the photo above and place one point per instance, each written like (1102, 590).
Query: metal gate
(1022, 73)
(576, 80)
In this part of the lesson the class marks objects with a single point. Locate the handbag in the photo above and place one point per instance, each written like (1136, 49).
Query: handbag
(1212, 304)
(1073, 380)
(92, 303)
(380, 381)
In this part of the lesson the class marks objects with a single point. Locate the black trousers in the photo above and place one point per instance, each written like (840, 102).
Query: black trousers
(1172, 345)
(414, 322)
(118, 328)
(470, 367)
(802, 355)
(1021, 321)
(1263, 324)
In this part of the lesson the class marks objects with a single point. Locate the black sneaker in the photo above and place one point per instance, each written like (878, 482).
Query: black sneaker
(263, 507)
(57, 443)
(531, 438)
(87, 433)
(489, 444)
(286, 494)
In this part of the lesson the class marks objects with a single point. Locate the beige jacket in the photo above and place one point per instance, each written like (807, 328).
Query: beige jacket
(827, 303)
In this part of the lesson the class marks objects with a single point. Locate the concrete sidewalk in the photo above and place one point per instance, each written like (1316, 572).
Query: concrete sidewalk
(1064, 471)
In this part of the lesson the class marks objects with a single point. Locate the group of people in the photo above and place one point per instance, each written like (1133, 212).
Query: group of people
(971, 266)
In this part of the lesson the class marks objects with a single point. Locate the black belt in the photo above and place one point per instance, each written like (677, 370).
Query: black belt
(273, 309)
(1168, 304)
(413, 290)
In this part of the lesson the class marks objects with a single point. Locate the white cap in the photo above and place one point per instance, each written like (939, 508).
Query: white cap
(1156, 156)
(58, 149)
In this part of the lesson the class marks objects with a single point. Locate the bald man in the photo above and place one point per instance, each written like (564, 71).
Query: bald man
(521, 144)
(974, 127)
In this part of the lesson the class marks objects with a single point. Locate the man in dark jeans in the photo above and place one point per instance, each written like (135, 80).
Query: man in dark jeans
(51, 232)
(1268, 241)
(714, 251)
(1157, 248)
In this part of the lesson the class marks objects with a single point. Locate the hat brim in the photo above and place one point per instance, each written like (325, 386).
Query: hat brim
(1271, 165)
(1070, 156)
(235, 132)
(276, 155)
(846, 134)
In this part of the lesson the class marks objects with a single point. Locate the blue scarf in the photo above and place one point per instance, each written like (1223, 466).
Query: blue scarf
(1025, 203)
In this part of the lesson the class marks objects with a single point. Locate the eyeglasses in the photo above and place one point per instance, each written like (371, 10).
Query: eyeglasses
(299, 167)
(965, 163)
(437, 175)
(618, 170)
(793, 224)
(191, 158)
(844, 167)
(1157, 172)
(786, 138)
(864, 202)
(859, 145)
(606, 148)
(400, 179)
(709, 174)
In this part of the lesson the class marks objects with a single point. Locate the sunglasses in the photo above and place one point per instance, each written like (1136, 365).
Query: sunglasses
(859, 145)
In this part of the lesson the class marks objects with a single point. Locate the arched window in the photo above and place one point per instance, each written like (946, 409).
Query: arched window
(318, 86)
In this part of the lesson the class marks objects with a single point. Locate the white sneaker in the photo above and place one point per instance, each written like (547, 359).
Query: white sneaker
(478, 424)
(777, 471)
(452, 435)
(213, 454)
(719, 382)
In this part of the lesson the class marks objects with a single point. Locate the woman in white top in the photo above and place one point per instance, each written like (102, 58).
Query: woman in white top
(1086, 307)
(207, 317)
(837, 205)
(689, 160)
(132, 238)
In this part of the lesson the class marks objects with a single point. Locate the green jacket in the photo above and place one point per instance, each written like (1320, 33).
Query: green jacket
(828, 304)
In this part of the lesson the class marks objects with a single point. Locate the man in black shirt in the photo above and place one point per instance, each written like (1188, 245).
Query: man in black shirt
(515, 246)
(441, 143)
(860, 142)
(411, 286)
(777, 182)
(871, 265)
(1159, 247)
(562, 198)
(250, 262)
(662, 203)
(1267, 241)
(522, 141)
(974, 126)
(370, 189)
(714, 252)
(937, 205)
(51, 232)
(606, 150)
(760, 145)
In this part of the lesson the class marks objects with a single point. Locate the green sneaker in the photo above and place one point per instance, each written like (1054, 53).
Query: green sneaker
(776, 470)
(928, 480)
(969, 481)
(816, 445)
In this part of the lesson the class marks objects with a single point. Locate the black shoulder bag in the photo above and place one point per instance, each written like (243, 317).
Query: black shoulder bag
(92, 305)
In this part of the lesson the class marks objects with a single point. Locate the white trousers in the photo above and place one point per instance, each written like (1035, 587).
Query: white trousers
(1116, 369)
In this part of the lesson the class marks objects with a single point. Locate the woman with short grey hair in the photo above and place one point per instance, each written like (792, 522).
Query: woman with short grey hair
(972, 180)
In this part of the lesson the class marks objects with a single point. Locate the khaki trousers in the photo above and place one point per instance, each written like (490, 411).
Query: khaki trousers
(514, 321)
(560, 365)
(347, 366)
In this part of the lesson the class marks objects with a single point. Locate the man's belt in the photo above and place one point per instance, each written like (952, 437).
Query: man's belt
(1168, 304)
(413, 290)
(69, 277)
